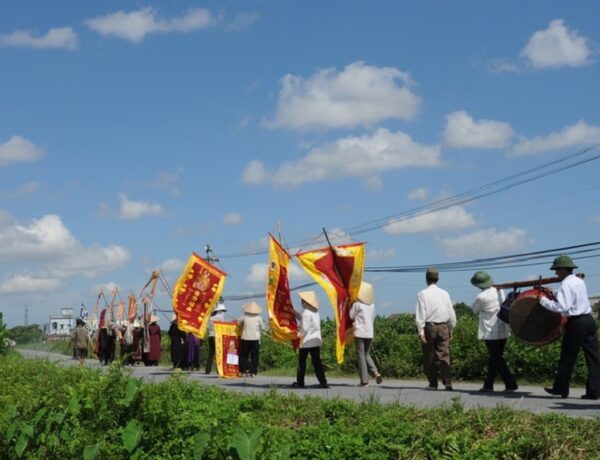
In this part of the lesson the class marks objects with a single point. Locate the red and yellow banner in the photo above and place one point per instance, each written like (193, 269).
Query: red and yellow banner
(282, 318)
(338, 271)
(196, 293)
(227, 345)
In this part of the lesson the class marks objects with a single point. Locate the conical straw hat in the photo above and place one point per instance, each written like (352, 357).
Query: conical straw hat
(310, 297)
(365, 293)
(252, 308)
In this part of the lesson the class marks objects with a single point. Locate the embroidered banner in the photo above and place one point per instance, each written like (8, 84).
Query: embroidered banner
(196, 293)
(339, 272)
(227, 344)
(282, 318)
(132, 310)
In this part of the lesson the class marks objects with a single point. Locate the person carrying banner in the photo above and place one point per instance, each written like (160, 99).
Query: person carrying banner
(310, 339)
(177, 343)
(152, 358)
(435, 319)
(218, 315)
(362, 314)
(492, 331)
(572, 300)
(80, 340)
(252, 326)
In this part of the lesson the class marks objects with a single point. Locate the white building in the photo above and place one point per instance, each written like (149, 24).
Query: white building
(61, 325)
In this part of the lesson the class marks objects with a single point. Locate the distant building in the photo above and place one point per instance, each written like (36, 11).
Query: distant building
(61, 325)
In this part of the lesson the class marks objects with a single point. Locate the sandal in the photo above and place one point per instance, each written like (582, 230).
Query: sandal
(378, 378)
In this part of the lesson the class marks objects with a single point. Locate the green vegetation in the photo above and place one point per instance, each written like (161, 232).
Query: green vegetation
(26, 334)
(52, 412)
(3, 336)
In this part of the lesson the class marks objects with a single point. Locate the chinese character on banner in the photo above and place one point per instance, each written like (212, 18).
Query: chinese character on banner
(227, 344)
(282, 318)
(196, 293)
(338, 270)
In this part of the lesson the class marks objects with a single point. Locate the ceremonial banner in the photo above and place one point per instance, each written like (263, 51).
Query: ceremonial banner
(132, 311)
(338, 271)
(282, 318)
(227, 344)
(196, 293)
(120, 309)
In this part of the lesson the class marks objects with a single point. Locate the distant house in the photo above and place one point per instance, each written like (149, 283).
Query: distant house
(61, 325)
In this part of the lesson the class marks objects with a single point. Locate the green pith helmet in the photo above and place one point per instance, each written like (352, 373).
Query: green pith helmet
(482, 280)
(563, 262)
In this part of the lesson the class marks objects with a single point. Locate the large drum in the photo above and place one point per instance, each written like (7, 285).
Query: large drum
(531, 322)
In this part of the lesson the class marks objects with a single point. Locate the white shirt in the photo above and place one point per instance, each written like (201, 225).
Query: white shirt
(434, 306)
(310, 329)
(252, 326)
(486, 305)
(218, 317)
(571, 298)
(363, 316)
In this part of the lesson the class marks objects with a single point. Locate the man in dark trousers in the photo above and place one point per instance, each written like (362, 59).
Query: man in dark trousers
(572, 301)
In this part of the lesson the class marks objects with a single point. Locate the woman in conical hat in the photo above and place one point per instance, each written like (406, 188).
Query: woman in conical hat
(154, 333)
(310, 337)
(362, 313)
(252, 326)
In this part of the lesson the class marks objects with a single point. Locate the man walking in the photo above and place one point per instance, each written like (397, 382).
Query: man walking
(572, 301)
(435, 319)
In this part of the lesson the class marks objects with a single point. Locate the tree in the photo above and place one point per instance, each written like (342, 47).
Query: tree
(3, 336)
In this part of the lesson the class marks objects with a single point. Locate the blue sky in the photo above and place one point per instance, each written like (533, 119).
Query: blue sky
(133, 133)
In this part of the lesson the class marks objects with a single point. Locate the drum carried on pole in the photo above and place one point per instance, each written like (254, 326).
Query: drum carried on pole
(528, 320)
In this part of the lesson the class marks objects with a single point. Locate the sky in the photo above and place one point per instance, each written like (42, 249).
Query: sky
(134, 133)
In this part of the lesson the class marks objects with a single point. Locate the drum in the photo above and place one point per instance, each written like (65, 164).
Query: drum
(531, 322)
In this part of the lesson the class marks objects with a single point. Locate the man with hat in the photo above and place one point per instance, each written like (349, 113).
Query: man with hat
(217, 315)
(310, 339)
(362, 313)
(572, 300)
(252, 326)
(492, 331)
(435, 319)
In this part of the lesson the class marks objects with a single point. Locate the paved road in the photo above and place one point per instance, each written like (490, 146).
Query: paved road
(407, 392)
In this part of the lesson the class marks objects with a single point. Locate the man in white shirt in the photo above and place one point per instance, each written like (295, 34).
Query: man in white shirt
(572, 301)
(435, 319)
(217, 315)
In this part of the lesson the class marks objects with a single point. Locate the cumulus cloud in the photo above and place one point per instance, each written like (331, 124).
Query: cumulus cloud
(23, 283)
(48, 243)
(105, 287)
(359, 95)
(59, 37)
(133, 210)
(242, 21)
(375, 255)
(453, 218)
(135, 25)
(579, 134)
(363, 156)
(556, 46)
(485, 242)
(464, 132)
(418, 194)
(19, 150)
(258, 274)
(172, 265)
(233, 218)
(373, 184)
(165, 181)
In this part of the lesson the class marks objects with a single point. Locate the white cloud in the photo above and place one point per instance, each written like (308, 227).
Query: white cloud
(556, 46)
(107, 288)
(135, 25)
(22, 191)
(579, 134)
(60, 37)
(19, 150)
(464, 132)
(418, 194)
(165, 181)
(258, 274)
(485, 242)
(24, 283)
(172, 265)
(91, 261)
(242, 21)
(502, 66)
(375, 255)
(453, 218)
(373, 184)
(132, 210)
(358, 95)
(233, 218)
(348, 157)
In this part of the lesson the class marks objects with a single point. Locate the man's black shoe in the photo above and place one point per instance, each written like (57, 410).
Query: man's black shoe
(553, 392)
(586, 396)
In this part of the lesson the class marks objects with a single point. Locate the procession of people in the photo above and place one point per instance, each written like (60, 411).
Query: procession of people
(435, 321)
